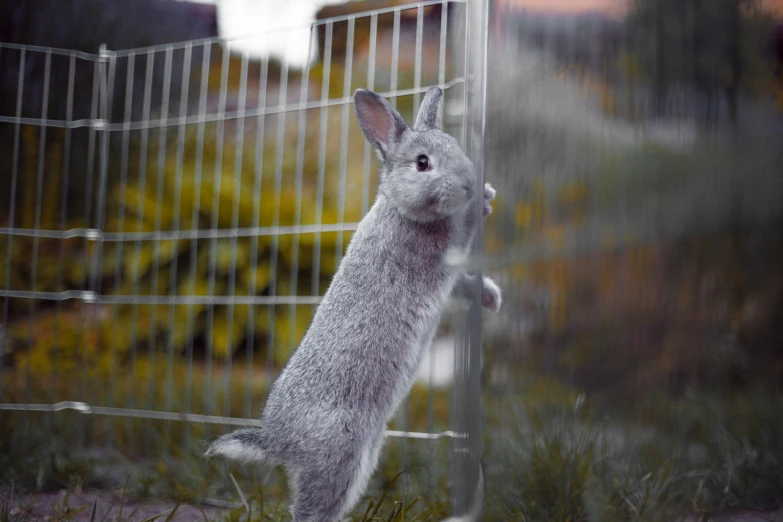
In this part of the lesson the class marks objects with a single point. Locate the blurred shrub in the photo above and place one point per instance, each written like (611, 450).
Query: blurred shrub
(222, 196)
(201, 188)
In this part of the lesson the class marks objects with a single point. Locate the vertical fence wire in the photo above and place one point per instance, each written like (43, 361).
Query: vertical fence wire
(370, 86)
(232, 275)
(121, 227)
(106, 90)
(7, 282)
(315, 290)
(298, 180)
(395, 63)
(206, 54)
(37, 223)
(257, 187)
(86, 308)
(279, 150)
(175, 225)
(417, 63)
(66, 174)
(141, 184)
(12, 207)
(159, 193)
(341, 184)
(216, 184)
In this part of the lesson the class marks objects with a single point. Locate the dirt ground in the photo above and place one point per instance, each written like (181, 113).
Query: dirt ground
(776, 516)
(51, 506)
(109, 507)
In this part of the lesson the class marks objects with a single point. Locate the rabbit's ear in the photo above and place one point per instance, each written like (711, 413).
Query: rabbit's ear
(431, 110)
(380, 123)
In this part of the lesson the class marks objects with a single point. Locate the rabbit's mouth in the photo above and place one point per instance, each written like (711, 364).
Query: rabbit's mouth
(449, 206)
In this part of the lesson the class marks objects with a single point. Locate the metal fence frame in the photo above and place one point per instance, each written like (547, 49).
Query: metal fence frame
(470, 19)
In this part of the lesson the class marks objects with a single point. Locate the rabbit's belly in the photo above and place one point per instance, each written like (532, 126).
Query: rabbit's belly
(425, 317)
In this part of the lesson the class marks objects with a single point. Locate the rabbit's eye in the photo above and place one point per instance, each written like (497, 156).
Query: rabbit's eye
(422, 163)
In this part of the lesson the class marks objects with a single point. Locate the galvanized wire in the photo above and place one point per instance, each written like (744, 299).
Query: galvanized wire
(344, 139)
(282, 108)
(187, 57)
(370, 86)
(257, 186)
(12, 210)
(273, 270)
(85, 408)
(298, 181)
(198, 172)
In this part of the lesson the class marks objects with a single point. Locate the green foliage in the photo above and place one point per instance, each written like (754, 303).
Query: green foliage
(215, 186)
(211, 191)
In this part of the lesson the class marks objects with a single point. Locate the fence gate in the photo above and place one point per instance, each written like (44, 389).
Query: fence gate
(171, 215)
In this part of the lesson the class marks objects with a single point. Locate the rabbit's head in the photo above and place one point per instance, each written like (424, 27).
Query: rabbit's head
(425, 174)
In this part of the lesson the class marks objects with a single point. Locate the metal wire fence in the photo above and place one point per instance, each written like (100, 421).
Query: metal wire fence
(173, 214)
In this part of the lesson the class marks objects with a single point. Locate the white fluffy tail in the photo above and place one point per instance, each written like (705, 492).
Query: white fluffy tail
(474, 512)
(247, 445)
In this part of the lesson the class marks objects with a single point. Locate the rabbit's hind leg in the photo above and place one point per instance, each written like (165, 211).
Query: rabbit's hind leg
(367, 465)
(328, 492)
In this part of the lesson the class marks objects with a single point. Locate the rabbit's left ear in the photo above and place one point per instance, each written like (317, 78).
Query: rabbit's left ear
(431, 110)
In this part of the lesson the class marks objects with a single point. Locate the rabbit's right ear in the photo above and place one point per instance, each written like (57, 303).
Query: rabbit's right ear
(380, 123)
(431, 110)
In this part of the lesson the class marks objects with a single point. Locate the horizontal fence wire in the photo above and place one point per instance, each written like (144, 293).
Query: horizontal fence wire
(220, 233)
(93, 297)
(88, 409)
(104, 125)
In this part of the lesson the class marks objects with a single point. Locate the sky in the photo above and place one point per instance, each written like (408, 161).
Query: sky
(257, 17)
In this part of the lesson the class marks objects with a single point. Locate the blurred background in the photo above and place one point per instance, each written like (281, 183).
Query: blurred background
(173, 204)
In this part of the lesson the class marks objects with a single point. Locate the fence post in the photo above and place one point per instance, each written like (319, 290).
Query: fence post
(466, 496)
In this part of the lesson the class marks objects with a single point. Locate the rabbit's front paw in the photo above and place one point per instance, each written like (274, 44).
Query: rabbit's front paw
(491, 297)
(489, 195)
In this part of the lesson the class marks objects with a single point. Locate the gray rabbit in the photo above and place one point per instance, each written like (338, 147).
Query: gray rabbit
(326, 415)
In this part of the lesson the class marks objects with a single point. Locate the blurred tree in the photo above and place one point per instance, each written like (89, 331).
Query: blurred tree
(715, 47)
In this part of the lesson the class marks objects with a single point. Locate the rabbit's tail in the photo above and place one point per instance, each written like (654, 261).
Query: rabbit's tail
(246, 445)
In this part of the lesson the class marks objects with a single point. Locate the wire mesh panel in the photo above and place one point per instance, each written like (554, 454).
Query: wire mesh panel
(174, 213)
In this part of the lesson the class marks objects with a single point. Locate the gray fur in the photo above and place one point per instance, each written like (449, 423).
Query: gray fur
(380, 123)
(326, 414)
(430, 111)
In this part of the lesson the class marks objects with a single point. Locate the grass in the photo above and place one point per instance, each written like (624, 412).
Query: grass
(253, 506)
(36, 464)
(69, 451)
(696, 457)
(552, 454)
